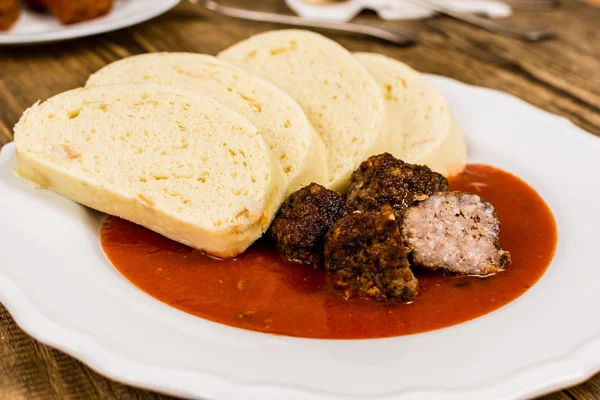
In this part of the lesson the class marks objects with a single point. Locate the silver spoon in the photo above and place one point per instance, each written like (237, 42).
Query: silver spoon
(398, 37)
(530, 34)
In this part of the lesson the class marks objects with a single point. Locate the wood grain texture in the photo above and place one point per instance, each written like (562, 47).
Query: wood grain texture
(561, 76)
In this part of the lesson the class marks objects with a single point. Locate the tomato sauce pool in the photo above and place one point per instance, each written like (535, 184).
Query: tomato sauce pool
(261, 292)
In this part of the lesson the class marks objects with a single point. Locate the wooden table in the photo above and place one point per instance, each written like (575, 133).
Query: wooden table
(561, 76)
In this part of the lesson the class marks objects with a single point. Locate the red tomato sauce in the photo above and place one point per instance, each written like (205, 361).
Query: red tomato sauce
(261, 292)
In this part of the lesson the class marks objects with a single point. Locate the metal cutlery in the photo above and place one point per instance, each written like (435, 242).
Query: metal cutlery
(532, 4)
(516, 4)
(523, 33)
(396, 36)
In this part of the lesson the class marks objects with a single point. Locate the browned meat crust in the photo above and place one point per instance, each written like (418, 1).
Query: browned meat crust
(384, 179)
(456, 232)
(365, 256)
(303, 220)
(69, 12)
(9, 13)
(37, 5)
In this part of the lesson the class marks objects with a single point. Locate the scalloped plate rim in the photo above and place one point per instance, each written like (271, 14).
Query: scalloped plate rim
(582, 362)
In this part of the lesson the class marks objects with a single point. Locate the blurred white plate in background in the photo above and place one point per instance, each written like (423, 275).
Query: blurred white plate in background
(38, 28)
(393, 9)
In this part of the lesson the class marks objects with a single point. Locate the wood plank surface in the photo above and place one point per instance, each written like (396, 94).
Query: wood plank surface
(561, 76)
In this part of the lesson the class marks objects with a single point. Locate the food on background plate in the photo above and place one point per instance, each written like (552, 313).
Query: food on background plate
(37, 5)
(336, 92)
(455, 232)
(385, 180)
(300, 226)
(419, 127)
(9, 13)
(364, 252)
(275, 114)
(69, 12)
(66, 11)
(177, 162)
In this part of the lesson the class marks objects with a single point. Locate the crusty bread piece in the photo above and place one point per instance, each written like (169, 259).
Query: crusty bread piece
(419, 127)
(335, 91)
(177, 162)
(275, 114)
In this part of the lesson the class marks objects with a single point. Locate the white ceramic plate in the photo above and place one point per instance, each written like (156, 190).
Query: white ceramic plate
(59, 287)
(39, 28)
(394, 9)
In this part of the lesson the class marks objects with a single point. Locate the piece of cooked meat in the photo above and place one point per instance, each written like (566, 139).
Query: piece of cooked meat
(9, 13)
(383, 179)
(365, 256)
(456, 232)
(69, 12)
(301, 223)
(37, 5)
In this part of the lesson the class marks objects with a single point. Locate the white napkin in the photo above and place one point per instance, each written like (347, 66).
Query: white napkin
(394, 9)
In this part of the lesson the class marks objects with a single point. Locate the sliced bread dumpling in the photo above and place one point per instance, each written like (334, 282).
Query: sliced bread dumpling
(419, 127)
(336, 92)
(450, 157)
(177, 162)
(276, 115)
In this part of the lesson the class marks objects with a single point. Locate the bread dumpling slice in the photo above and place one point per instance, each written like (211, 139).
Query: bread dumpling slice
(419, 127)
(450, 157)
(336, 92)
(275, 114)
(177, 162)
